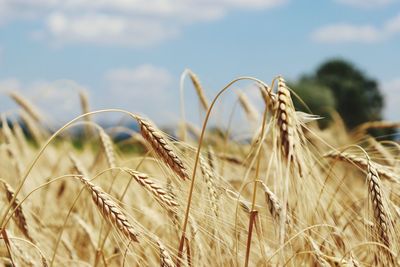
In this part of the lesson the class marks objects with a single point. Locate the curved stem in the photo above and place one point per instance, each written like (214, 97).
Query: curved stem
(182, 240)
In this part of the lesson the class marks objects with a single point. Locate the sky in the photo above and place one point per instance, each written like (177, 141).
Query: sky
(130, 54)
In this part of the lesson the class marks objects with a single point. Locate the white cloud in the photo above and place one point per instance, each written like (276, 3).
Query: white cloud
(366, 3)
(391, 89)
(343, 33)
(57, 99)
(145, 79)
(349, 33)
(120, 22)
(106, 29)
(392, 26)
(145, 89)
(9, 84)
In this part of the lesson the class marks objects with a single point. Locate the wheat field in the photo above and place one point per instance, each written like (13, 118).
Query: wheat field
(291, 194)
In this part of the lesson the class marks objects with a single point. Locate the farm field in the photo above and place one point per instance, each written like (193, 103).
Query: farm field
(288, 193)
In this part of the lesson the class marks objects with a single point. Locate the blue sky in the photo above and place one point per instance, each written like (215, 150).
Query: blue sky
(130, 54)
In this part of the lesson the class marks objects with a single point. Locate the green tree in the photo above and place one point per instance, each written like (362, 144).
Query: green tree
(317, 97)
(338, 84)
(357, 96)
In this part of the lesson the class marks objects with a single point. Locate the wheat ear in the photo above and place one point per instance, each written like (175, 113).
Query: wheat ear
(285, 119)
(26, 105)
(110, 210)
(108, 147)
(18, 214)
(209, 179)
(380, 210)
(84, 99)
(199, 90)
(161, 148)
(274, 205)
(165, 257)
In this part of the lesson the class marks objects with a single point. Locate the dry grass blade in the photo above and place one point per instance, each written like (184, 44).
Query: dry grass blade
(161, 148)
(156, 190)
(110, 210)
(18, 215)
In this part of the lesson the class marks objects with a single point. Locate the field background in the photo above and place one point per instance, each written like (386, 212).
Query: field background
(199, 133)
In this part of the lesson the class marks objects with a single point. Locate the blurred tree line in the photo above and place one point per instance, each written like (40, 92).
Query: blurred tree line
(339, 85)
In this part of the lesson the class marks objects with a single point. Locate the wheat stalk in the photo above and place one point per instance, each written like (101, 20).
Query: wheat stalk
(161, 148)
(268, 96)
(78, 166)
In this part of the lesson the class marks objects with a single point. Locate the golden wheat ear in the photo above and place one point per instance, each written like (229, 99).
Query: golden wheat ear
(285, 119)
(26, 105)
(110, 210)
(165, 256)
(199, 90)
(161, 147)
(18, 215)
